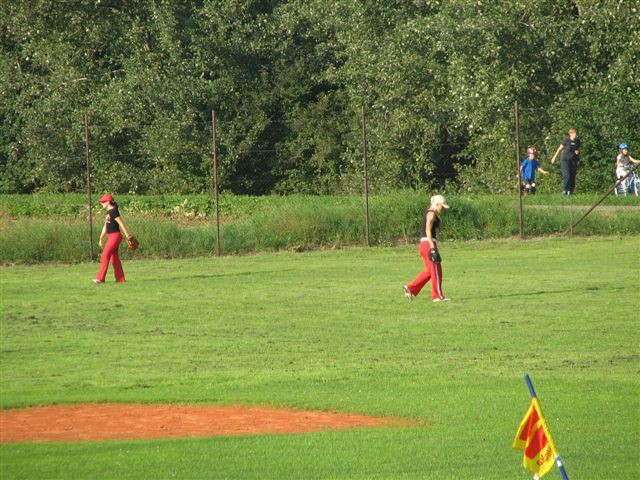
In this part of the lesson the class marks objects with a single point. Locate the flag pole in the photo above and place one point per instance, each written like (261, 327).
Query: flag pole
(532, 390)
(559, 463)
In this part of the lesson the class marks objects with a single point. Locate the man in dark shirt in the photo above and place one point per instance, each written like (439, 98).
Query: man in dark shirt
(570, 160)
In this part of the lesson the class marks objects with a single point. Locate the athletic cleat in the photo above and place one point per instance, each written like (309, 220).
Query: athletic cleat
(443, 299)
(408, 293)
(97, 282)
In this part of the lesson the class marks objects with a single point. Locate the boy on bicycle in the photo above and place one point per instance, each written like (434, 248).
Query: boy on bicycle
(624, 164)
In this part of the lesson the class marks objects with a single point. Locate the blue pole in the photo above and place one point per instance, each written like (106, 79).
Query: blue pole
(561, 468)
(559, 463)
(530, 385)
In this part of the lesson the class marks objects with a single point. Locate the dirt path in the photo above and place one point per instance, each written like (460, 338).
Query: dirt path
(604, 208)
(76, 423)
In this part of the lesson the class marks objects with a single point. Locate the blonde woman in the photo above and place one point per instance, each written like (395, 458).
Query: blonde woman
(429, 252)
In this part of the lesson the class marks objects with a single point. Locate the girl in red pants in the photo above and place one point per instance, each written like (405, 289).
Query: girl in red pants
(111, 230)
(429, 252)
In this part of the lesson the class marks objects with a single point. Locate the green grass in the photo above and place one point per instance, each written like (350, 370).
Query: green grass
(238, 206)
(332, 330)
(35, 229)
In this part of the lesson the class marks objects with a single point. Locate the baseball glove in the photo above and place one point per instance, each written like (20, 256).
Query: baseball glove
(132, 243)
(434, 256)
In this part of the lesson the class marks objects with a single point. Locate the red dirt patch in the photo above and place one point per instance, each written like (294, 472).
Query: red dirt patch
(76, 423)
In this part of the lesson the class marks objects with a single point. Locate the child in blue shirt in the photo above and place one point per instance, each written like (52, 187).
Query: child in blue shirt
(528, 168)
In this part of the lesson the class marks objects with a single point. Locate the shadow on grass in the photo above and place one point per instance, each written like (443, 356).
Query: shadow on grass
(594, 288)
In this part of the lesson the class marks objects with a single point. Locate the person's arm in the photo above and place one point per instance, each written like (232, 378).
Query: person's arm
(123, 226)
(430, 217)
(542, 171)
(103, 233)
(633, 159)
(555, 155)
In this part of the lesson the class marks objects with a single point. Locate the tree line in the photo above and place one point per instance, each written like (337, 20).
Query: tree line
(288, 79)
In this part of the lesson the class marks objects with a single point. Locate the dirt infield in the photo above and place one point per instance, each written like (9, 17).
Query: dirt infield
(86, 422)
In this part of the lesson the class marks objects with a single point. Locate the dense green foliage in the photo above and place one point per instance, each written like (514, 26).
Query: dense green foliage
(288, 78)
(332, 330)
(54, 227)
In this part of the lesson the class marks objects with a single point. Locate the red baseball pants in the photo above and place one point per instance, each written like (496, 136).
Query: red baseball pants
(432, 271)
(110, 254)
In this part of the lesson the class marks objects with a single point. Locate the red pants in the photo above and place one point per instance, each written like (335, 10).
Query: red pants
(432, 271)
(110, 254)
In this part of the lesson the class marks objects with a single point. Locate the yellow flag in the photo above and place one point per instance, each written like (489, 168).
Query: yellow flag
(534, 439)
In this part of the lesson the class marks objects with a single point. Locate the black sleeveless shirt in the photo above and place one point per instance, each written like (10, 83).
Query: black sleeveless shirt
(435, 225)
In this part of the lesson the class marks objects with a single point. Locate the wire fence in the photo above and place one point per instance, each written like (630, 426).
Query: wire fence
(211, 151)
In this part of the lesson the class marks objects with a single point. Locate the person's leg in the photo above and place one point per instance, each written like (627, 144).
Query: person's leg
(104, 264)
(115, 239)
(117, 267)
(436, 283)
(110, 255)
(111, 247)
(572, 175)
(566, 175)
(425, 275)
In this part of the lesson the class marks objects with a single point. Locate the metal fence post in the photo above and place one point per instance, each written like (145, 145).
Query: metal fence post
(517, 135)
(366, 176)
(215, 180)
(88, 163)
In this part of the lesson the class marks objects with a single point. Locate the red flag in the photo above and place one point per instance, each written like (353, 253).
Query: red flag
(534, 439)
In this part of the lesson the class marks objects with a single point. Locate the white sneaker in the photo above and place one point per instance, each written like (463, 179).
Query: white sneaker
(97, 282)
(443, 299)
(408, 293)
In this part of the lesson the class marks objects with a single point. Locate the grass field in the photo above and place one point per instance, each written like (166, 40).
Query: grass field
(54, 228)
(331, 330)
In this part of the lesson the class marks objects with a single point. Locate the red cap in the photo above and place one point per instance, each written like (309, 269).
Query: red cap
(107, 197)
